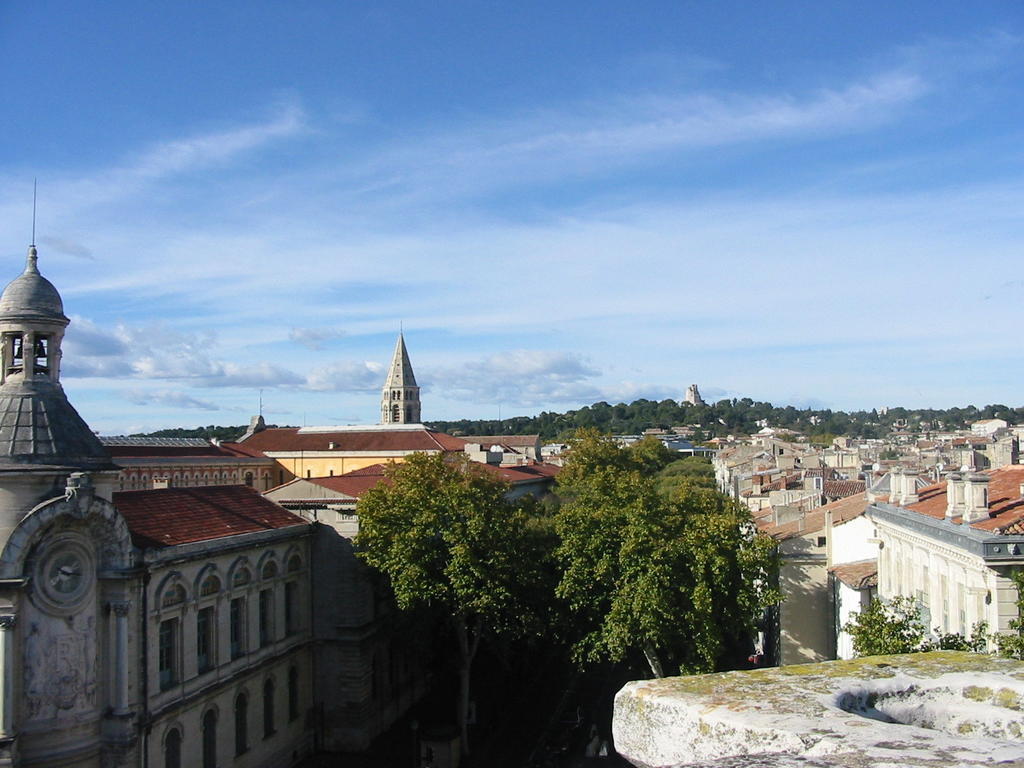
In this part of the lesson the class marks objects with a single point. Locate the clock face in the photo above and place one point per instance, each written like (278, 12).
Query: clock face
(64, 574)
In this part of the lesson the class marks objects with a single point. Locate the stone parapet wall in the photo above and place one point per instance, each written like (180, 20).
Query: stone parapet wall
(937, 709)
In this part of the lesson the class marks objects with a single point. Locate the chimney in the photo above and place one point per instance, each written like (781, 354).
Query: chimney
(954, 495)
(909, 488)
(896, 486)
(975, 497)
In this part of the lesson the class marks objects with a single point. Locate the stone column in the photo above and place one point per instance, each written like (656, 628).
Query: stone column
(119, 610)
(7, 668)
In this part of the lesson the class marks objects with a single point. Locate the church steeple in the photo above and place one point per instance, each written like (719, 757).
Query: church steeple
(400, 400)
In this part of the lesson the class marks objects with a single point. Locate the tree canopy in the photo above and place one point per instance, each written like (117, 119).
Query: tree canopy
(445, 536)
(732, 416)
(681, 578)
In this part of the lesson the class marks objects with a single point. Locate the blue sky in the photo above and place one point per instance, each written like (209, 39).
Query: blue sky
(816, 203)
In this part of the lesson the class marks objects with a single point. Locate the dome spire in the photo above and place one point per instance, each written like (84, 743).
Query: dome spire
(31, 262)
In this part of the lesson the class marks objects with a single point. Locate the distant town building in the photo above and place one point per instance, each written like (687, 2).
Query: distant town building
(988, 427)
(184, 462)
(693, 396)
(953, 546)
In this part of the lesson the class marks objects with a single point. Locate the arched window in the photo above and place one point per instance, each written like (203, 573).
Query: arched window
(293, 693)
(248, 479)
(268, 709)
(241, 577)
(175, 595)
(210, 739)
(270, 570)
(241, 724)
(396, 413)
(294, 564)
(211, 586)
(172, 749)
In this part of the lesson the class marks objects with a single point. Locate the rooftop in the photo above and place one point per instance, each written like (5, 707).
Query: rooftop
(170, 516)
(403, 437)
(1005, 504)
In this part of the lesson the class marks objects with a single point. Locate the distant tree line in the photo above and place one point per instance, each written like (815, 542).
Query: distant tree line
(211, 432)
(735, 416)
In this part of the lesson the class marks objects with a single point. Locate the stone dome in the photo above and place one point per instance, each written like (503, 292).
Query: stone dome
(31, 296)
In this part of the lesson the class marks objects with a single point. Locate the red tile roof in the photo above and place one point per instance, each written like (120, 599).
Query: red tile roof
(840, 489)
(160, 451)
(843, 510)
(859, 575)
(354, 483)
(170, 516)
(1005, 504)
(293, 439)
(359, 481)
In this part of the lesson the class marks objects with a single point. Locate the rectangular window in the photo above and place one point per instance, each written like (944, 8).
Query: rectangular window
(291, 607)
(238, 627)
(266, 617)
(168, 653)
(206, 645)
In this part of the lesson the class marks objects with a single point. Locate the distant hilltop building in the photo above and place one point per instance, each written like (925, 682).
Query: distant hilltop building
(400, 400)
(693, 396)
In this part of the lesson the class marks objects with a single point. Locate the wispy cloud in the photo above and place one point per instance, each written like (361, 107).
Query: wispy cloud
(346, 376)
(69, 247)
(520, 377)
(595, 136)
(171, 398)
(314, 338)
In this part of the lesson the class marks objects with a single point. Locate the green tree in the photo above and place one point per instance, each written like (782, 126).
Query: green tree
(690, 471)
(887, 626)
(1011, 644)
(444, 534)
(895, 626)
(681, 580)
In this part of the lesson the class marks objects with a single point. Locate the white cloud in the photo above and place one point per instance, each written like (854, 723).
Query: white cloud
(171, 398)
(161, 353)
(314, 338)
(596, 136)
(69, 247)
(346, 376)
(520, 377)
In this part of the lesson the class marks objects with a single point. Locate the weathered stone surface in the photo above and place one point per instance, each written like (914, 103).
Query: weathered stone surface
(928, 709)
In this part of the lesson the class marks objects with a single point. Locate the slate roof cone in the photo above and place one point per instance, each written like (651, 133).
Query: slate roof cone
(400, 400)
(39, 428)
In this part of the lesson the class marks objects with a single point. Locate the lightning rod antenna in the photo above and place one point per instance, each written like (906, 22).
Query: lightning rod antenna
(34, 181)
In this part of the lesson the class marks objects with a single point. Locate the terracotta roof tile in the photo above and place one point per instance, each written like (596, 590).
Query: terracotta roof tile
(170, 516)
(292, 439)
(858, 575)
(1005, 504)
(359, 481)
(843, 510)
(840, 489)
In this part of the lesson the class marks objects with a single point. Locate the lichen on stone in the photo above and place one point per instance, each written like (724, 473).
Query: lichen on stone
(944, 708)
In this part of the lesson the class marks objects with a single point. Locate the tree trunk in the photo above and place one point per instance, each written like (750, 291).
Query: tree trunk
(469, 642)
(653, 661)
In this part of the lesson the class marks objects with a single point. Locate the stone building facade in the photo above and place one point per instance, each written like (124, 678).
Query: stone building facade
(159, 628)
